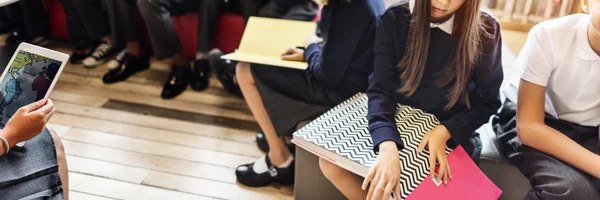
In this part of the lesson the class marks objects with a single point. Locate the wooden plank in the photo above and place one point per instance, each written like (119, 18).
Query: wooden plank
(171, 137)
(212, 189)
(154, 77)
(77, 98)
(61, 130)
(198, 97)
(106, 170)
(158, 163)
(140, 108)
(131, 96)
(123, 190)
(158, 148)
(73, 195)
(108, 115)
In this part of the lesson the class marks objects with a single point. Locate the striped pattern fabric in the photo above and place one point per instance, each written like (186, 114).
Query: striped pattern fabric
(344, 130)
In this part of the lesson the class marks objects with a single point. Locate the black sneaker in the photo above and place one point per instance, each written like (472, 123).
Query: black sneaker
(200, 75)
(176, 83)
(127, 66)
(101, 54)
(224, 71)
(246, 175)
(77, 58)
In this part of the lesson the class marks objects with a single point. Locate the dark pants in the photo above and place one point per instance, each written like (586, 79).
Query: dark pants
(30, 17)
(157, 14)
(550, 178)
(87, 21)
(122, 21)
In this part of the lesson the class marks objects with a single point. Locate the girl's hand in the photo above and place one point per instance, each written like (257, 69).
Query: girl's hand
(312, 39)
(28, 121)
(293, 54)
(436, 141)
(384, 176)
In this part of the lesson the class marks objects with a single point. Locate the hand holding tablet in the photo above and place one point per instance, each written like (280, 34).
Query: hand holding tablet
(24, 87)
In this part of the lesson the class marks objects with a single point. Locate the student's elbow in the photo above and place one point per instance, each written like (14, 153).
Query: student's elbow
(526, 133)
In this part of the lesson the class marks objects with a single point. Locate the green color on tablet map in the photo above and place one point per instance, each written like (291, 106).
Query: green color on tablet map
(30, 78)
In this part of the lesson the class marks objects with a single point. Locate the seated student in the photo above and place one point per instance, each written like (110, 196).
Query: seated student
(548, 126)
(302, 10)
(133, 58)
(443, 58)
(87, 23)
(38, 170)
(280, 98)
(166, 44)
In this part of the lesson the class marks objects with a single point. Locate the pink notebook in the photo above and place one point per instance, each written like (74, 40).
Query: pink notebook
(468, 182)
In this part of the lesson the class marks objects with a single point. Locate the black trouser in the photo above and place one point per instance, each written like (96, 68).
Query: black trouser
(87, 21)
(550, 178)
(30, 17)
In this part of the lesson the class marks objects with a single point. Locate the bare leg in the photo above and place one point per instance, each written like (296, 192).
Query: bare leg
(347, 182)
(63, 170)
(135, 48)
(278, 151)
(180, 60)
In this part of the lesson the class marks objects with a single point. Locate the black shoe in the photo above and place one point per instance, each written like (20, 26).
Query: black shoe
(200, 75)
(77, 58)
(224, 71)
(101, 54)
(246, 175)
(127, 65)
(176, 83)
(263, 145)
(15, 38)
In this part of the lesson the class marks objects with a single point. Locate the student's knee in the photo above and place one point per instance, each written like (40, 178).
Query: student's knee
(243, 73)
(60, 150)
(565, 187)
(332, 171)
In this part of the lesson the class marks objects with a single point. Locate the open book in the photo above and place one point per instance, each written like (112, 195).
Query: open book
(266, 39)
(342, 137)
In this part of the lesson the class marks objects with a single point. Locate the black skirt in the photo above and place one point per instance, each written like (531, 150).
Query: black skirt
(291, 96)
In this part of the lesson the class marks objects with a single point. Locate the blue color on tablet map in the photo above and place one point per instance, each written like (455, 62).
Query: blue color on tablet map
(27, 80)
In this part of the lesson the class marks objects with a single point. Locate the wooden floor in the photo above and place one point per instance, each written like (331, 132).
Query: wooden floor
(124, 142)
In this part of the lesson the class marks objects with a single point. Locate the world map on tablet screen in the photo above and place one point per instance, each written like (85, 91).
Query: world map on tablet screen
(27, 80)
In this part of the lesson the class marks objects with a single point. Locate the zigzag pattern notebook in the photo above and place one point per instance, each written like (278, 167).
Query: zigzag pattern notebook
(342, 136)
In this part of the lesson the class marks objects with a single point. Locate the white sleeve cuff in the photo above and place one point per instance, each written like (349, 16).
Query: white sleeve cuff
(528, 76)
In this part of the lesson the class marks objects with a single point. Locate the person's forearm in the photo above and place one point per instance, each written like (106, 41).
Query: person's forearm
(550, 141)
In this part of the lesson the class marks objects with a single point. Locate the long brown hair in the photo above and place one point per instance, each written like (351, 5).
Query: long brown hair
(468, 29)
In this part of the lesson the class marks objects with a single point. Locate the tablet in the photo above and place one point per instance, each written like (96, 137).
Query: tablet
(29, 76)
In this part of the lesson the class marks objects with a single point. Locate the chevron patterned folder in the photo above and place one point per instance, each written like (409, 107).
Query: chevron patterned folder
(342, 136)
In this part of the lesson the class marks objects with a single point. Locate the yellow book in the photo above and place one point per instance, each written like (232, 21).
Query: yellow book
(266, 39)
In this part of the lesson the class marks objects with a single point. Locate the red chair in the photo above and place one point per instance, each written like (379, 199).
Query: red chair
(227, 37)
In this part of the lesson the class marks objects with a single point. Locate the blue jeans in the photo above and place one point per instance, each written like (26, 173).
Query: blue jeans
(31, 172)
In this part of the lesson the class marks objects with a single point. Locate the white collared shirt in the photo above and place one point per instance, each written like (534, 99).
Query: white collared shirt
(558, 56)
(447, 26)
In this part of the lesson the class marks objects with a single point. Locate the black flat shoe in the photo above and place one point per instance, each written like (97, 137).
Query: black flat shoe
(176, 83)
(127, 66)
(246, 175)
(263, 145)
(224, 71)
(200, 75)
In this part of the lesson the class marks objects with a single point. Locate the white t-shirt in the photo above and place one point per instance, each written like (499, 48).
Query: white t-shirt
(558, 55)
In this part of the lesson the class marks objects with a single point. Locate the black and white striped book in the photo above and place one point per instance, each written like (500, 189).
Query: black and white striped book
(342, 136)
